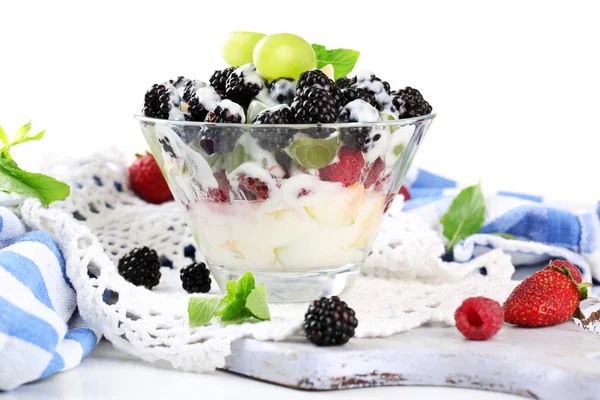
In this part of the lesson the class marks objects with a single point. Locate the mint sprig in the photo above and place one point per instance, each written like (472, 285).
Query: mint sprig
(15, 180)
(243, 301)
(465, 216)
(343, 60)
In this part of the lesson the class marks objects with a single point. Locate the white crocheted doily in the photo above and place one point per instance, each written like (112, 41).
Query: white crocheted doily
(405, 284)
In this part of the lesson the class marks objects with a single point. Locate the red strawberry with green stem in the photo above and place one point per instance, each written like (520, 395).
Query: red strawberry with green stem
(548, 297)
(575, 272)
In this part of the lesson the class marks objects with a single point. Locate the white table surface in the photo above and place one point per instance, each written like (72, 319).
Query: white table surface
(109, 374)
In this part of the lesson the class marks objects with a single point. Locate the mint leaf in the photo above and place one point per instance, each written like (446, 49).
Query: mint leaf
(244, 286)
(465, 215)
(257, 303)
(3, 136)
(233, 310)
(202, 310)
(14, 179)
(343, 60)
(231, 291)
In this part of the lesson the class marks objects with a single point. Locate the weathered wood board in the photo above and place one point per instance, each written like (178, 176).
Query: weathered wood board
(561, 362)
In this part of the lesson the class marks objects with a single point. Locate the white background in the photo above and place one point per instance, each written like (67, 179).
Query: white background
(515, 83)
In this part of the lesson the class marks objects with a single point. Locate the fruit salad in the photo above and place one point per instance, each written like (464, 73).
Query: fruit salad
(283, 160)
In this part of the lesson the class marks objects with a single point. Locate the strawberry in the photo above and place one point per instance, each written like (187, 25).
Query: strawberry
(375, 171)
(404, 192)
(548, 297)
(347, 170)
(575, 273)
(148, 181)
(254, 189)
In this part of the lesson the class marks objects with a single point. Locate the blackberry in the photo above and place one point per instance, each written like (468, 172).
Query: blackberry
(243, 84)
(203, 100)
(352, 94)
(344, 83)
(195, 278)
(218, 80)
(314, 105)
(222, 140)
(162, 101)
(410, 103)
(141, 267)
(319, 79)
(363, 137)
(180, 84)
(191, 88)
(378, 88)
(282, 91)
(329, 322)
(270, 138)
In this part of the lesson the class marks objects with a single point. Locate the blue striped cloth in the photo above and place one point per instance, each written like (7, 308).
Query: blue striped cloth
(41, 332)
(544, 228)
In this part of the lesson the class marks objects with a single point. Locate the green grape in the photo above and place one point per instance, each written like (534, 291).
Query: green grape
(238, 47)
(314, 153)
(283, 55)
(254, 109)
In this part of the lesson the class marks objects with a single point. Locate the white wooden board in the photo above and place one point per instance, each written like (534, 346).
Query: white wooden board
(561, 362)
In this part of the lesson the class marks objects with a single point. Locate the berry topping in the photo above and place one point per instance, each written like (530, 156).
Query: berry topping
(148, 181)
(329, 322)
(221, 193)
(372, 84)
(360, 138)
(575, 272)
(282, 91)
(273, 138)
(344, 83)
(201, 103)
(243, 84)
(195, 278)
(180, 83)
(191, 88)
(347, 170)
(314, 105)
(218, 80)
(478, 318)
(141, 267)
(352, 94)
(252, 188)
(220, 140)
(163, 101)
(409, 103)
(317, 78)
(548, 297)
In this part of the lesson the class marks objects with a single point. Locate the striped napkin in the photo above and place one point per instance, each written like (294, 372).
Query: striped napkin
(41, 332)
(543, 228)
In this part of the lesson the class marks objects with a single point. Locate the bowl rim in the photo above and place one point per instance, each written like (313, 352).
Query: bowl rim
(395, 122)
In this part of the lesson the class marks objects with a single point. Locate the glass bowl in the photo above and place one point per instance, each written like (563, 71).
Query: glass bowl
(298, 205)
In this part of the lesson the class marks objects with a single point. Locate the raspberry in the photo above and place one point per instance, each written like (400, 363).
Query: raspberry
(252, 188)
(479, 318)
(148, 181)
(575, 272)
(220, 194)
(346, 171)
